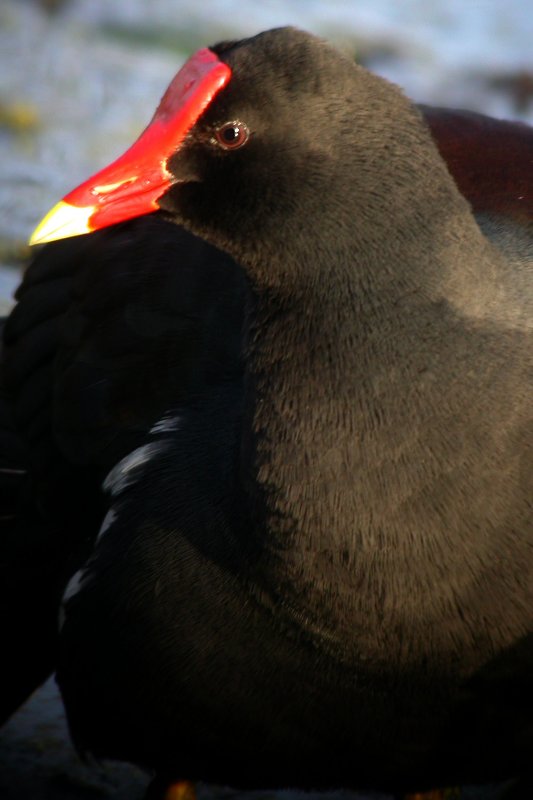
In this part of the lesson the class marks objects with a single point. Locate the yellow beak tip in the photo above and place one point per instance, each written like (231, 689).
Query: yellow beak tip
(62, 221)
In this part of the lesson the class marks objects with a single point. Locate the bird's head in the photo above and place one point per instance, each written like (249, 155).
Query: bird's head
(246, 132)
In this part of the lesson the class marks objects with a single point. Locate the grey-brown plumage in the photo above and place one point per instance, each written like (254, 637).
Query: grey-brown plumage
(317, 571)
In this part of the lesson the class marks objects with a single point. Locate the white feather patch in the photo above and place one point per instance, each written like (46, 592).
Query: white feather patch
(123, 473)
(107, 522)
(73, 587)
(167, 424)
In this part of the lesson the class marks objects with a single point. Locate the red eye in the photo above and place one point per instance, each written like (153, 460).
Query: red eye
(232, 135)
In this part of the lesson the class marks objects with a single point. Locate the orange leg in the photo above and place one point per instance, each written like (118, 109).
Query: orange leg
(436, 794)
(181, 790)
(161, 789)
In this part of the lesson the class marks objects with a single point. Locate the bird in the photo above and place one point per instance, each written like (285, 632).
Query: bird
(281, 396)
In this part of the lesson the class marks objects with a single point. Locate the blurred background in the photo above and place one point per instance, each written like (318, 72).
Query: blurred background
(79, 80)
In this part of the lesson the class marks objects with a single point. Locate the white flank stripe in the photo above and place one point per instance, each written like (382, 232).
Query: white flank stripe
(107, 521)
(167, 424)
(122, 475)
(73, 587)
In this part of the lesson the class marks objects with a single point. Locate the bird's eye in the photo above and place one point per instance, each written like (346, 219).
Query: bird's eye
(232, 135)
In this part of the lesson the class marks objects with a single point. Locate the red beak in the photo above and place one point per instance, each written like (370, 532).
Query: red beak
(131, 185)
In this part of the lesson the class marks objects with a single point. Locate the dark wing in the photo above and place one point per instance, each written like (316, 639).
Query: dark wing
(29, 568)
(112, 332)
(491, 160)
